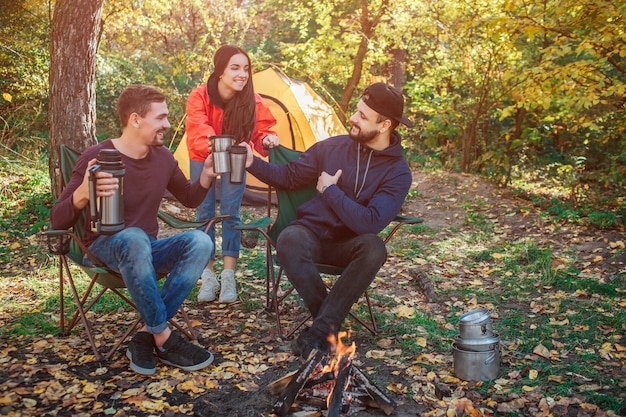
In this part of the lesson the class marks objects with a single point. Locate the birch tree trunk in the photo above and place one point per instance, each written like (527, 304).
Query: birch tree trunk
(74, 38)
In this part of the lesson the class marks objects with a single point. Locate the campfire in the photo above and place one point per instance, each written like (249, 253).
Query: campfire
(329, 381)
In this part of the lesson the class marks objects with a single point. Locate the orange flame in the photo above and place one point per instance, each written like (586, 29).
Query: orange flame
(340, 350)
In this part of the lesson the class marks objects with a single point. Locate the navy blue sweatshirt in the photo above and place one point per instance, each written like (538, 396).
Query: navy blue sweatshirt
(369, 194)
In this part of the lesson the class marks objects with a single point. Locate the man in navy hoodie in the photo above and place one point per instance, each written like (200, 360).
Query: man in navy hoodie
(362, 181)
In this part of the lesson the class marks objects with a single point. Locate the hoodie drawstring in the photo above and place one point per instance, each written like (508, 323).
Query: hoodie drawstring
(367, 167)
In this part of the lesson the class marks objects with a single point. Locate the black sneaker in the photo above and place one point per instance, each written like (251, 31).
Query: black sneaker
(141, 353)
(183, 354)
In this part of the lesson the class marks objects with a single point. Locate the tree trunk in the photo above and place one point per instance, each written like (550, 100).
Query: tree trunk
(74, 37)
(367, 30)
(397, 66)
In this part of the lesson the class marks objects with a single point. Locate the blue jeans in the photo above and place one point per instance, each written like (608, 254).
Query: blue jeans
(361, 257)
(140, 259)
(230, 204)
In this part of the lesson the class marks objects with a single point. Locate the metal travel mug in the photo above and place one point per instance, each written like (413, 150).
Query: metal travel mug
(220, 144)
(107, 213)
(238, 155)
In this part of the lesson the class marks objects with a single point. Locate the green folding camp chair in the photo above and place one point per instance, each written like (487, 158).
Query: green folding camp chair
(68, 245)
(288, 203)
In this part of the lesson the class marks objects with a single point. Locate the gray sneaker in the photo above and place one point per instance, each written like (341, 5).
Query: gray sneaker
(178, 352)
(141, 353)
(209, 287)
(228, 293)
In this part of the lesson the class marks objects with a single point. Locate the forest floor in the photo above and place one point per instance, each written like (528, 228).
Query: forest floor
(44, 374)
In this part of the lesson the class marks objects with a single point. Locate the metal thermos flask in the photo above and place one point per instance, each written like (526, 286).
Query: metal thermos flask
(107, 213)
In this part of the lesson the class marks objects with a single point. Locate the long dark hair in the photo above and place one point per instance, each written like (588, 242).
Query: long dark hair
(240, 112)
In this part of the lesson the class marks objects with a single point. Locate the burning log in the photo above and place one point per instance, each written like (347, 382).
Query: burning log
(329, 381)
(336, 403)
(282, 406)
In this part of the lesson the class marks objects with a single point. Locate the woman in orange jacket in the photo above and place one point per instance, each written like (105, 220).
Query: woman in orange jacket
(226, 104)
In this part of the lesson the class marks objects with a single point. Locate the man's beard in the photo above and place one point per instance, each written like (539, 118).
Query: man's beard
(157, 141)
(361, 136)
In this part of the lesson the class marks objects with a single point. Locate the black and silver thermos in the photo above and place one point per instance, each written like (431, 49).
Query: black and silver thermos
(107, 213)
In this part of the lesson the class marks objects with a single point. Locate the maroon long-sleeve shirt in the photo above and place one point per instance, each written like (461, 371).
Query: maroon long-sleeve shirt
(145, 182)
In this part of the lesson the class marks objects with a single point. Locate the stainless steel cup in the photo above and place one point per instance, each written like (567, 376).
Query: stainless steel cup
(221, 162)
(220, 144)
(238, 156)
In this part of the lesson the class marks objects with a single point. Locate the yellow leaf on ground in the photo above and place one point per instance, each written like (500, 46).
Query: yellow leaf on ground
(247, 386)
(8, 399)
(405, 311)
(532, 374)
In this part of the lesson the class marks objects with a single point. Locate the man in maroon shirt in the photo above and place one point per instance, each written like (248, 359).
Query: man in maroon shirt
(135, 252)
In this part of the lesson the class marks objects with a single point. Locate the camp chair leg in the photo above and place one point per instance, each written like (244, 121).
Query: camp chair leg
(372, 327)
(269, 274)
(297, 326)
(62, 263)
(189, 332)
(276, 300)
(80, 312)
(122, 339)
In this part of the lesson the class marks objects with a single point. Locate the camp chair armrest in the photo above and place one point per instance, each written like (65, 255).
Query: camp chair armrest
(408, 220)
(259, 225)
(399, 222)
(178, 223)
(54, 232)
(58, 241)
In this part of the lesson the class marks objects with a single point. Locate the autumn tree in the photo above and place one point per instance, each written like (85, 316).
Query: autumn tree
(74, 37)
(572, 86)
(24, 76)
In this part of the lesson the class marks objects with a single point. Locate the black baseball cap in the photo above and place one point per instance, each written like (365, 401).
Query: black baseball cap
(386, 100)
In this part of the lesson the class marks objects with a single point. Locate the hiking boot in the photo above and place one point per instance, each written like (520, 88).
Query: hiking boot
(181, 353)
(209, 287)
(228, 293)
(141, 353)
(307, 341)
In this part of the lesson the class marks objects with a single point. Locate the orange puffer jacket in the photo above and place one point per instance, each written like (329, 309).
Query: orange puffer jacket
(205, 119)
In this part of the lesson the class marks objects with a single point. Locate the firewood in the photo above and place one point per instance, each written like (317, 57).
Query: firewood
(335, 407)
(278, 386)
(385, 403)
(282, 406)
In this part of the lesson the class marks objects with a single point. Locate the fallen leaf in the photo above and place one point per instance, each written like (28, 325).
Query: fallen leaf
(542, 351)
(404, 311)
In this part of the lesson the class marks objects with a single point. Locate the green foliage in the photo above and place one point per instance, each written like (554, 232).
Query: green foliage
(24, 61)
(495, 87)
(24, 205)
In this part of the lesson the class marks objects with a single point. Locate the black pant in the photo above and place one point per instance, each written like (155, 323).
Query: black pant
(361, 257)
